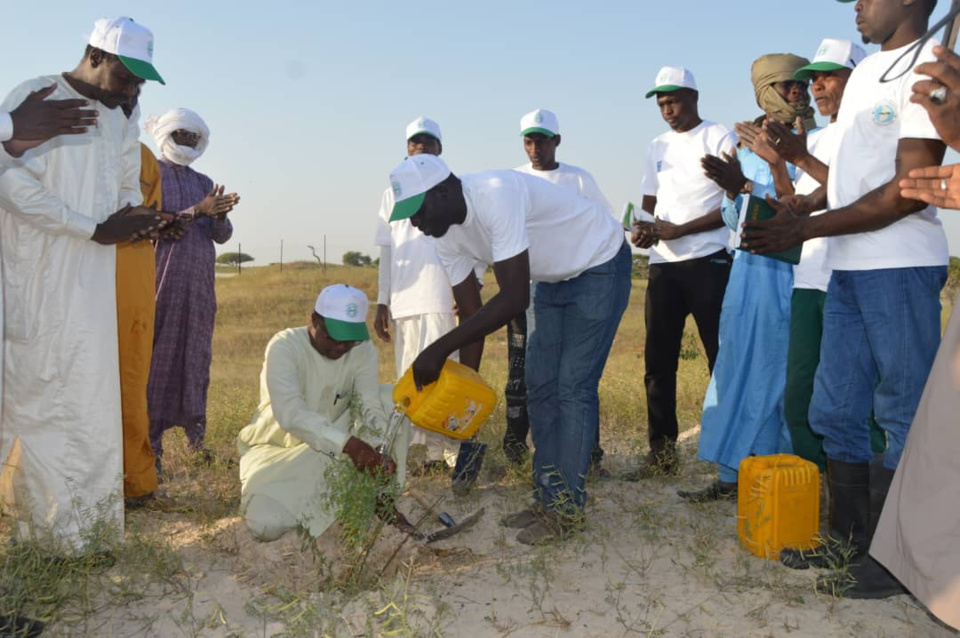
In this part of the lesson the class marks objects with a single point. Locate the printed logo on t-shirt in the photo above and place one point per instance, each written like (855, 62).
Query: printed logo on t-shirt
(884, 113)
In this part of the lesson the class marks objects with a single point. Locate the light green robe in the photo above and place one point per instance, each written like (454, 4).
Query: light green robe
(301, 426)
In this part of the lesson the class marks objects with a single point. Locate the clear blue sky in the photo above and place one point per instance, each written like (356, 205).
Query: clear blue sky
(307, 103)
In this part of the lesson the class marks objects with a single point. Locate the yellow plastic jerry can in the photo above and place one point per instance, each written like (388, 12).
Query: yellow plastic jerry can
(778, 504)
(456, 404)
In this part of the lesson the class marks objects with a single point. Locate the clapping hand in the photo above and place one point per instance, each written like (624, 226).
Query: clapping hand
(725, 171)
(37, 120)
(792, 147)
(216, 204)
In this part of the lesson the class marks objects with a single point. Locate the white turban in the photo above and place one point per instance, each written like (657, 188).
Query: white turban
(163, 127)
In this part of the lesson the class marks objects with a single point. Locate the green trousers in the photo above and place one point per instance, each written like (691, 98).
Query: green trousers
(803, 357)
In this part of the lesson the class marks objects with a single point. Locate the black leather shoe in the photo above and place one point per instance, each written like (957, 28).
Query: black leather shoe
(716, 491)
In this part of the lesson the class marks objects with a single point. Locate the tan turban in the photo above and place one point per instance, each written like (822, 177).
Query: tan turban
(779, 67)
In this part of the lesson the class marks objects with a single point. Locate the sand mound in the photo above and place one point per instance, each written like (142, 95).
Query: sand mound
(304, 564)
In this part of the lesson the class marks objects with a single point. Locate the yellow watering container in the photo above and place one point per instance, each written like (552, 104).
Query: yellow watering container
(456, 404)
(778, 504)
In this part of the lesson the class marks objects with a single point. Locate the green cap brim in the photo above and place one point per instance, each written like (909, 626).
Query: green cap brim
(666, 88)
(542, 131)
(407, 208)
(346, 330)
(804, 73)
(141, 69)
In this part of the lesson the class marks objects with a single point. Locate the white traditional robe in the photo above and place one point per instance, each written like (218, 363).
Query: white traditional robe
(301, 426)
(60, 431)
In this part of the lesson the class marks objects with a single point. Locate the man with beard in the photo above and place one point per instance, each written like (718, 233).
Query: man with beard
(743, 408)
(63, 206)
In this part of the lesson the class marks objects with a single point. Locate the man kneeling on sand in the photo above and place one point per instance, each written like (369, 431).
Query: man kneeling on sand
(312, 381)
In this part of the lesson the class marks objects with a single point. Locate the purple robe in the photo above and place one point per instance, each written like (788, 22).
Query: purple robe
(186, 308)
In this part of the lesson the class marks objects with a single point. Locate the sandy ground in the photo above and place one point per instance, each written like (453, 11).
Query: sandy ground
(647, 565)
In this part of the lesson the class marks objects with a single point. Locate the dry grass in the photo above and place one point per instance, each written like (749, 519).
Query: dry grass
(636, 535)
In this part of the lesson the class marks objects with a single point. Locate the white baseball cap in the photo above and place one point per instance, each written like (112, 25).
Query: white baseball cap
(344, 312)
(540, 121)
(411, 180)
(129, 41)
(832, 56)
(671, 78)
(424, 125)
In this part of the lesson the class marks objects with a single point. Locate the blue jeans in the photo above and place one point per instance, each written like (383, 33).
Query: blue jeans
(576, 321)
(881, 330)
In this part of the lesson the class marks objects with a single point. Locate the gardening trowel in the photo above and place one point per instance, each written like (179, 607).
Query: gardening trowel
(451, 527)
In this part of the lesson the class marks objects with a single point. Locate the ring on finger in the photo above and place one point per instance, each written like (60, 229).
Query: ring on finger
(776, 141)
(939, 95)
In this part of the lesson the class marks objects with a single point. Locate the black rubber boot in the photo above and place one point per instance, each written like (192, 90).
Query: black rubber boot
(867, 580)
(849, 520)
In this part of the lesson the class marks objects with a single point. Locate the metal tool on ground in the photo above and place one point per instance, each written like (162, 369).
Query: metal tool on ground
(451, 527)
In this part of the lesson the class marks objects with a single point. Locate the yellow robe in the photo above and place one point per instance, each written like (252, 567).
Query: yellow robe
(136, 294)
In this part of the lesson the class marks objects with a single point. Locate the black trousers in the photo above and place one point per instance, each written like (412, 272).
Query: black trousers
(675, 290)
(518, 424)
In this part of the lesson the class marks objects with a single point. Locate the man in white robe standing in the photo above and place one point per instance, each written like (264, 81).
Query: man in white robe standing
(63, 206)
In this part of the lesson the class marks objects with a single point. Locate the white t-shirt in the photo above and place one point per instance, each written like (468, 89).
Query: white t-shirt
(572, 178)
(418, 282)
(509, 212)
(873, 118)
(675, 177)
(813, 272)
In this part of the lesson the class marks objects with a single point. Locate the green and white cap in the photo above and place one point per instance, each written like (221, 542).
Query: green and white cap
(129, 41)
(832, 55)
(411, 180)
(540, 121)
(424, 125)
(344, 312)
(672, 78)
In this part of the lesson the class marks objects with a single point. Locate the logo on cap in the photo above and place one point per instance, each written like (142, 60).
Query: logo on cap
(150, 48)
(397, 189)
(351, 310)
(823, 49)
(538, 118)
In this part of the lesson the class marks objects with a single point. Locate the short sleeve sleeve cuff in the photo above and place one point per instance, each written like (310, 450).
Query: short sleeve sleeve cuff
(6, 127)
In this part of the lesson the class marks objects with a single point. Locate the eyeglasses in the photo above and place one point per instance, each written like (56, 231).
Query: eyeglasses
(949, 39)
